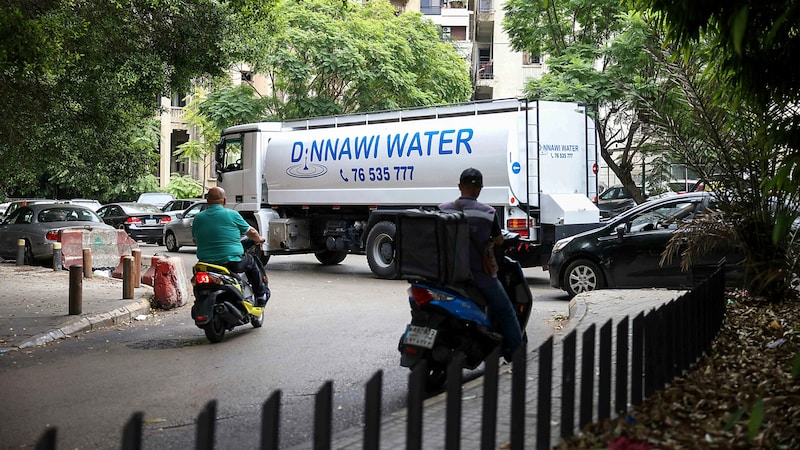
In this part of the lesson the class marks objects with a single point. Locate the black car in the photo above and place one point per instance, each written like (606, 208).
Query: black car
(626, 251)
(142, 221)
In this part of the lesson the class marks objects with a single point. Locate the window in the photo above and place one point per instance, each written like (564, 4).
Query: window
(529, 59)
(229, 155)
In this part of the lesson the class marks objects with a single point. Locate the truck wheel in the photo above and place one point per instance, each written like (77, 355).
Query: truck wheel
(330, 257)
(582, 276)
(380, 250)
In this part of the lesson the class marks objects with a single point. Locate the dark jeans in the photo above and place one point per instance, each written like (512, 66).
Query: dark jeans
(252, 269)
(501, 308)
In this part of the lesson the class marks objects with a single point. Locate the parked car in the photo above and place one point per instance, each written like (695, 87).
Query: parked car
(40, 225)
(626, 251)
(173, 207)
(94, 205)
(614, 200)
(178, 232)
(16, 204)
(142, 221)
(155, 198)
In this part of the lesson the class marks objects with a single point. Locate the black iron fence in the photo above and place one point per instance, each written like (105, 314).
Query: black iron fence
(629, 365)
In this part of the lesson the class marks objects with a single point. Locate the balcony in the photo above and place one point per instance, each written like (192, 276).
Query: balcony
(178, 117)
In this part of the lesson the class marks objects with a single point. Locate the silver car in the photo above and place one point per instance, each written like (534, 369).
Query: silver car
(178, 232)
(40, 226)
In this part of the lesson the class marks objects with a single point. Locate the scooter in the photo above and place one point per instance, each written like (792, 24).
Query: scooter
(224, 300)
(446, 319)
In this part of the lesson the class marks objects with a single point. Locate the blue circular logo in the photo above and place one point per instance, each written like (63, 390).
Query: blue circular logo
(516, 167)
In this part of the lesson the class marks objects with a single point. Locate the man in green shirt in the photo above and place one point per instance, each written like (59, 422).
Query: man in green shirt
(218, 231)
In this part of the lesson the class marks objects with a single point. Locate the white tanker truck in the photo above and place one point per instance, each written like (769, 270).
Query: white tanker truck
(329, 185)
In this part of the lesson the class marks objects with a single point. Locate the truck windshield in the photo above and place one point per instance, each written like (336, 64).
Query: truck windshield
(229, 155)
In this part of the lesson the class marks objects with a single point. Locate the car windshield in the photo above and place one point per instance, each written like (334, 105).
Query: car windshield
(614, 193)
(665, 217)
(62, 214)
(142, 208)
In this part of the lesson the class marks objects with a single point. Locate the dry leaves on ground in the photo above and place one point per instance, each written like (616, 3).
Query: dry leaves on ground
(744, 394)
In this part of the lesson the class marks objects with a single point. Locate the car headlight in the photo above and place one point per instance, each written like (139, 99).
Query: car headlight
(560, 244)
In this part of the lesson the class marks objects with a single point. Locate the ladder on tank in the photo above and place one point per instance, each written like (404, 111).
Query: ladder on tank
(474, 108)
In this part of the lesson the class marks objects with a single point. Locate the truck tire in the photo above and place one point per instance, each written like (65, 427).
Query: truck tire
(582, 275)
(380, 250)
(330, 257)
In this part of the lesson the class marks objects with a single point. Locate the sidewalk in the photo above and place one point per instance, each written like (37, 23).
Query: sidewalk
(34, 305)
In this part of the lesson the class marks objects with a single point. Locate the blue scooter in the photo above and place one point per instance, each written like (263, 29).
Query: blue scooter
(446, 319)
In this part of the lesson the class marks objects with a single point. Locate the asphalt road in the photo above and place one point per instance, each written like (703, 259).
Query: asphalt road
(323, 323)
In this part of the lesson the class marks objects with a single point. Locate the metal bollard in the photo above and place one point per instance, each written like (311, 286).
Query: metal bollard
(127, 277)
(137, 266)
(57, 257)
(20, 252)
(87, 263)
(75, 289)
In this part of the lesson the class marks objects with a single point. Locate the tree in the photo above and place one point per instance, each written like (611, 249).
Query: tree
(596, 55)
(80, 80)
(737, 140)
(329, 57)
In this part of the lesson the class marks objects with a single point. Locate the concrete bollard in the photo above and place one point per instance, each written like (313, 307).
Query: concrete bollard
(57, 257)
(128, 273)
(137, 265)
(87, 263)
(20, 252)
(75, 289)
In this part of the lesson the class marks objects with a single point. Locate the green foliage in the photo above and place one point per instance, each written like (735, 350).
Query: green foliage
(732, 141)
(183, 186)
(129, 192)
(596, 55)
(80, 80)
(331, 57)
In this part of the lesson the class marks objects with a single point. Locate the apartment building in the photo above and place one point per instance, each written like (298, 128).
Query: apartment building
(475, 27)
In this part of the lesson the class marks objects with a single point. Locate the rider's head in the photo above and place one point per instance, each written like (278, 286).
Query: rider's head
(470, 183)
(216, 195)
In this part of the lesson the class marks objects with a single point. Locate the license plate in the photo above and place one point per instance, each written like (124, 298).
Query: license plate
(420, 336)
(150, 221)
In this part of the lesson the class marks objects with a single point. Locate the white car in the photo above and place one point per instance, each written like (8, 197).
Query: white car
(155, 198)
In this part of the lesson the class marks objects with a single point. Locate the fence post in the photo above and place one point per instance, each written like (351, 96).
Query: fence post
(75, 289)
(271, 422)
(137, 266)
(544, 402)
(87, 263)
(20, 252)
(587, 377)
(323, 411)
(127, 277)
(57, 257)
(568, 366)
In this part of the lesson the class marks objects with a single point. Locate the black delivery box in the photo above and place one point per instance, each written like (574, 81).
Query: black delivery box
(432, 245)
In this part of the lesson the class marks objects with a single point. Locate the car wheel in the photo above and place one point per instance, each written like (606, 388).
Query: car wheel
(171, 242)
(582, 276)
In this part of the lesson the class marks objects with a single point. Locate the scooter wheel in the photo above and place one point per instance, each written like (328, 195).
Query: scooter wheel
(257, 321)
(215, 329)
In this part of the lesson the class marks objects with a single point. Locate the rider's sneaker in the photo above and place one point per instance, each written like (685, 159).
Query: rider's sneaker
(261, 300)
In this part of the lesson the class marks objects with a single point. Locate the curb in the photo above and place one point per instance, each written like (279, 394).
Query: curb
(123, 314)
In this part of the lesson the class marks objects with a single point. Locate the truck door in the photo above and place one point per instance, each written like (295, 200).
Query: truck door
(230, 167)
